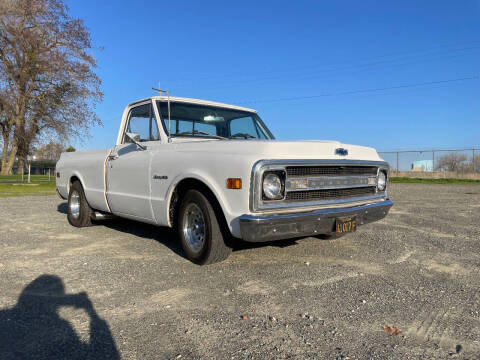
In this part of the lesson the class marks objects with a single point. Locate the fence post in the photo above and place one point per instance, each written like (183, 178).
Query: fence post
(433, 160)
(48, 174)
(29, 168)
(22, 174)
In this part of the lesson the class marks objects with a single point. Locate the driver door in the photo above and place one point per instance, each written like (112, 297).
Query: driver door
(128, 169)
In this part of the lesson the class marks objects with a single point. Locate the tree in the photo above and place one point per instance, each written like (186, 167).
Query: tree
(6, 123)
(70, 149)
(50, 152)
(48, 87)
(451, 162)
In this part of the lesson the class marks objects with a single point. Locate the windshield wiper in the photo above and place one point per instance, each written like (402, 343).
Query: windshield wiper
(198, 132)
(244, 135)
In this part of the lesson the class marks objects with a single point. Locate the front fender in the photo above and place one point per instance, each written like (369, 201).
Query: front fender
(209, 182)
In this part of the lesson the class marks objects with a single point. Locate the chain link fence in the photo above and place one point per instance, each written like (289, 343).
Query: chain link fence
(435, 163)
(37, 167)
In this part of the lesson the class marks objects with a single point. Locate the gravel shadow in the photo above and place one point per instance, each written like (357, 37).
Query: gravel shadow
(33, 329)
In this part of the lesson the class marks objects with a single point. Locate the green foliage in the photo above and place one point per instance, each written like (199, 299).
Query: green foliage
(70, 149)
(432, 181)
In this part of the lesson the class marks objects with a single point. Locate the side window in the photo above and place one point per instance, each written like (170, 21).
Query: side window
(141, 121)
(244, 126)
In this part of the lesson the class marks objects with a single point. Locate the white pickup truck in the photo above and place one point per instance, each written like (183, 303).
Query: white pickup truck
(215, 172)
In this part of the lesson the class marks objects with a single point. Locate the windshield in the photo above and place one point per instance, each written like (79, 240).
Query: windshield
(212, 122)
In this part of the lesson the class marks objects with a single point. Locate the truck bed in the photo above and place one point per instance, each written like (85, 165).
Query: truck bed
(92, 177)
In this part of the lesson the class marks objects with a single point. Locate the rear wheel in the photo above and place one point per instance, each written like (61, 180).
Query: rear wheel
(79, 212)
(200, 230)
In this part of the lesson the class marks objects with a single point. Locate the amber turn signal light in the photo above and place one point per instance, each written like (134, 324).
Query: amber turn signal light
(234, 183)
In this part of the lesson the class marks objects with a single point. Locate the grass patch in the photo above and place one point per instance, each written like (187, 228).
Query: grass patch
(432, 181)
(10, 178)
(39, 185)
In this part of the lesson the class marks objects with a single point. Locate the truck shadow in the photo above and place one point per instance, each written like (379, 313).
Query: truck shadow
(33, 328)
(163, 235)
(239, 245)
(168, 237)
(62, 208)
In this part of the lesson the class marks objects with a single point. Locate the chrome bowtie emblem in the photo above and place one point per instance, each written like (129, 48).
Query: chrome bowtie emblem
(341, 151)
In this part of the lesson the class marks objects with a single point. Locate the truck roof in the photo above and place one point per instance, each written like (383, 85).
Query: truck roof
(194, 101)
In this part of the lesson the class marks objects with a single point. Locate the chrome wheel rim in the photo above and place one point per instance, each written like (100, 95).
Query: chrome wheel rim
(194, 227)
(74, 204)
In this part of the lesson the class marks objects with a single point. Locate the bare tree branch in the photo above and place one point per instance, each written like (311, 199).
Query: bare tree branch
(48, 86)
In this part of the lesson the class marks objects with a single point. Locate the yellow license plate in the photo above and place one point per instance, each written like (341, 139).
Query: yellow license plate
(345, 225)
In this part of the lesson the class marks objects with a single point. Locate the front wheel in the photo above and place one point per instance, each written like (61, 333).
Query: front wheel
(200, 231)
(79, 212)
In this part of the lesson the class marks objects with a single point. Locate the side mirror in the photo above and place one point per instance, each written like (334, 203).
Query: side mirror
(135, 139)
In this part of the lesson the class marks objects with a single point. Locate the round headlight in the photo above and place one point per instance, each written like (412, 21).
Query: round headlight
(272, 186)
(382, 181)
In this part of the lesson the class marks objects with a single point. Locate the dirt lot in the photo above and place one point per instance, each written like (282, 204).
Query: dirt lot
(123, 289)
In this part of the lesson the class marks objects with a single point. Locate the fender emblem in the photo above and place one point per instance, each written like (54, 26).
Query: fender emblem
(341, 152)
(160, 177)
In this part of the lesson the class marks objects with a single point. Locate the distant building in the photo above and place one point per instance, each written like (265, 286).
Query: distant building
(422, 165)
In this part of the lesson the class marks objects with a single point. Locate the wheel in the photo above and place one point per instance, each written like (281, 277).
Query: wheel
(79, 212)
(200, 231)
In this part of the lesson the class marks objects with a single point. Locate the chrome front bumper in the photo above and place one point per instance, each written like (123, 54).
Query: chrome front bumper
(259, 228)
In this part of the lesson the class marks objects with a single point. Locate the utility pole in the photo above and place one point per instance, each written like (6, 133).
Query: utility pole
(473, 160)
(433, 160)
(397, 162)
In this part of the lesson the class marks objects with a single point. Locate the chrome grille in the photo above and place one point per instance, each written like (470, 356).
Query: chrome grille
(318, 183)
(330, 194)
(331, 170)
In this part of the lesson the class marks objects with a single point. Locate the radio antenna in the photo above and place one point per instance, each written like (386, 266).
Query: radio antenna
(160, 92)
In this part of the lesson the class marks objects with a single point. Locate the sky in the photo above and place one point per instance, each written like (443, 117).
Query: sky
(394, 75)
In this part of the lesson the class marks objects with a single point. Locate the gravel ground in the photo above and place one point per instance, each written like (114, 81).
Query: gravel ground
(124, 289)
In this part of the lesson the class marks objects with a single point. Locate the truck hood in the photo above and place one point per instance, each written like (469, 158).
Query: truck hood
(275, 149)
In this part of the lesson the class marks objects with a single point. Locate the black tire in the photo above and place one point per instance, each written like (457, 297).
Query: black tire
(214, 247)
(79, 212)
